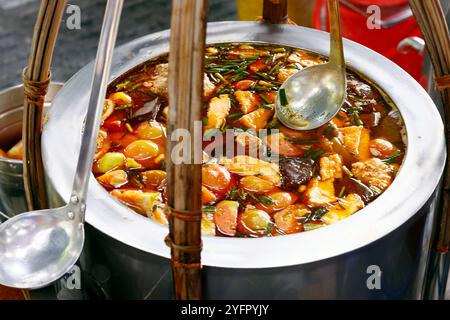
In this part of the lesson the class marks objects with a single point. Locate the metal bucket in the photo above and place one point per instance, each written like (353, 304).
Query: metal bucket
(12, 198)
(379, 252)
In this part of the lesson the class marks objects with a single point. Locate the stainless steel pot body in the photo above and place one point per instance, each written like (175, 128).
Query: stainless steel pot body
(379, 252)
(12, 199)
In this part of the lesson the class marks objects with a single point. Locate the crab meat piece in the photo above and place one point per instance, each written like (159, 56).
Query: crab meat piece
(247, 100)
(355, 140)
(303, 58)
(285, 73)
(374, 173)
(343, 209)
(248, 141)
(320, 192)
(159, 83)
(331, 167)
(257, 119)
(249, 166)
(218, 110)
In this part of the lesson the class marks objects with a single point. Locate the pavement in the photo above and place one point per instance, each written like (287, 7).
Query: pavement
(75, 48)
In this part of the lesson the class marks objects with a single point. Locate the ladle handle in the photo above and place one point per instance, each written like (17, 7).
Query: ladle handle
(102, 67)
(336, 46)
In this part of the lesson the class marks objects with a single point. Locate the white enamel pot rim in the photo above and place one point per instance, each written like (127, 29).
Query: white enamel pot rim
(415, 183)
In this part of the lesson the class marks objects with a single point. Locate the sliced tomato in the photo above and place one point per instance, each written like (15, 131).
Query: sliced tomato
(216, 178)
(243, 84)
(225, 217)
(258, 65)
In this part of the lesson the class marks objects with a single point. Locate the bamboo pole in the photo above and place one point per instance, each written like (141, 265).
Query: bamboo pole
(187, 46)
(275, 12)
(36, 77)
(433, 25)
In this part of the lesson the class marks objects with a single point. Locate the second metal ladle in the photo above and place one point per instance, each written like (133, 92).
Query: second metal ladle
(313, 96)
(38, 247)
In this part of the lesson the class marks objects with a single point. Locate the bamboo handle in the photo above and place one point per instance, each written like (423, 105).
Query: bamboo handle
(187, 47)
(275, 11)
(431, 20)
(36, 80)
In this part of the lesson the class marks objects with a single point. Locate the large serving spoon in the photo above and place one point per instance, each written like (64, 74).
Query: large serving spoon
(313, 96)
(38, 247)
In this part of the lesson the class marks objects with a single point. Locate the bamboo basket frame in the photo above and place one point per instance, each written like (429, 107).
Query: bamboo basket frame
(188, 27)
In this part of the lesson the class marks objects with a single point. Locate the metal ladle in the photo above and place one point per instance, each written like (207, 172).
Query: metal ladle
(313, 96)
(38, 247)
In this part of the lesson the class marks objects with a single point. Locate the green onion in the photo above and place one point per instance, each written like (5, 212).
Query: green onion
(235, 115)
(392, 158)
(347, 171)
(220, 77)
(265, 99)
(269, 228)
(266, 200)
(264, 76)
(303, 141)
(317, 153)
(264, 106)
(209, 133)
(283, 97)
(273, 124)
(205, 121)
(239, 76)
(308, 152)
(279, 50)
(276, 67)
(269, 59)
(311, 226)
(209, 209)
(341, 193)
(316, 215)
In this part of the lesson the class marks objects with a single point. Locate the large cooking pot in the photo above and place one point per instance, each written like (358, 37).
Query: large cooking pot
(344, 260)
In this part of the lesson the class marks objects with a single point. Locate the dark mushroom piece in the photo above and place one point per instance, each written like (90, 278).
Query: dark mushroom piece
(296, 172)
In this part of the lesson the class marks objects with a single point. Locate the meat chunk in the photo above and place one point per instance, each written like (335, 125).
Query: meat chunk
(249, 166)
(218, 110)
(345, 208)
(248, 142)
(159, 83)
(320, 192)
(355, 140)
(303, 58)
(373, 172)
(331, 167)
(296, 171)
(285, 73)
(257, 119)
(247, 100)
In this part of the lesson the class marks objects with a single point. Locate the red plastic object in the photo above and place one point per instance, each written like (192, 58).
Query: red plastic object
(381, 40)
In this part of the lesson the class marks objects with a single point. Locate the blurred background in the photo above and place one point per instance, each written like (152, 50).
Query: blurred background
(396, 35)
